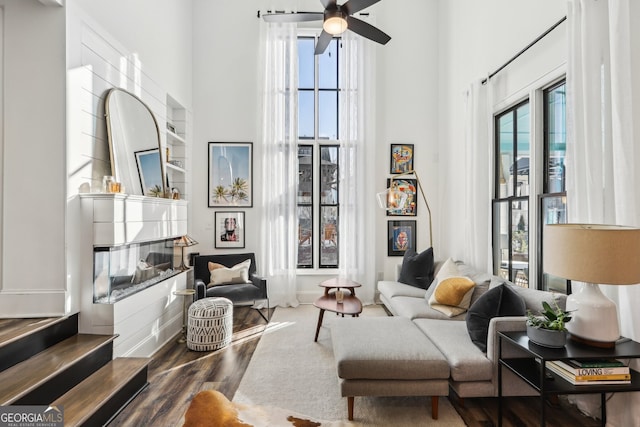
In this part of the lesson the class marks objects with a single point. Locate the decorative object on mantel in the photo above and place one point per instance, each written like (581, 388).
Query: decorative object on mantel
(184, 242)
(393, 198)
(134, 143)
(592, 253)
(549, 328)
(336, 20)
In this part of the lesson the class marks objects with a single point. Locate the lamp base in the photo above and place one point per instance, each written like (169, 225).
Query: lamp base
(594, 318)
(592, 343)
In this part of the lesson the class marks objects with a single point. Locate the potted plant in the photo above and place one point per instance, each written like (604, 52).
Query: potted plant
(548, 327)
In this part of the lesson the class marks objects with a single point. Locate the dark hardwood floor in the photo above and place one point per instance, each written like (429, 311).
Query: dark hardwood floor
(176, 374)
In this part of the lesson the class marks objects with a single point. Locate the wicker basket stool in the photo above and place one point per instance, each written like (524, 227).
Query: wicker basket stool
(210, 324)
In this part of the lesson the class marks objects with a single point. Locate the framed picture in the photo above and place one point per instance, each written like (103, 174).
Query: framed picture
(409, 186)
(150, 172)
(401, 236)
(229, 229)
(230, 174)
(401, 158)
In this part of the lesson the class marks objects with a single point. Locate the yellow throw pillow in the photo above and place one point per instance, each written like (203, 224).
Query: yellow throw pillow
(452, 294)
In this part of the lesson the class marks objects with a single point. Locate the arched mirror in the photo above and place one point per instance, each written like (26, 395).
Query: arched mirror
(134, 144)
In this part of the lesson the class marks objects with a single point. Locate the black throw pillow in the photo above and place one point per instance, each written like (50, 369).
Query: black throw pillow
(417, 268)
(499, 301)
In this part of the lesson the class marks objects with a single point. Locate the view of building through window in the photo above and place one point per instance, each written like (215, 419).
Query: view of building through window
(513, 235)
(318, 159)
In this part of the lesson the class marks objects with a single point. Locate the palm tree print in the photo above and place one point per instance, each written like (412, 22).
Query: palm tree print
(239, 189)
(220, 193)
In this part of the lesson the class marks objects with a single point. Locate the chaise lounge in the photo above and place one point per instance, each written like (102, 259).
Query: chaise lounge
(383, 346)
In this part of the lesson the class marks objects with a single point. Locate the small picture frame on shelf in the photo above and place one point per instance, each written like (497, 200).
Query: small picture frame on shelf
(171, 128)
(150, 172)
(229, 229)
(401, 236)
(401, 158)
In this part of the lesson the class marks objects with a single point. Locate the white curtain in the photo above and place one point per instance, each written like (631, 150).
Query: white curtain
(602, 181)
(279, 223)
(476, 158)
(353, 194)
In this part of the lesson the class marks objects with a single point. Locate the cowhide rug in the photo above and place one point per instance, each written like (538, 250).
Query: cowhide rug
(210, 408)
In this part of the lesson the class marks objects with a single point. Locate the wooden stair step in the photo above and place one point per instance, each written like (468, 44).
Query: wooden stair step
(27, 379)
(101, 396)
(22, 338)
(15, 329)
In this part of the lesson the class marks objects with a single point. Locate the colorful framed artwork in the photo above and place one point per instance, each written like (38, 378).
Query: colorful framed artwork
(150, 172)
(401, 235)
(229, 229)
(401, 158)
(230, 174)
(409, 186)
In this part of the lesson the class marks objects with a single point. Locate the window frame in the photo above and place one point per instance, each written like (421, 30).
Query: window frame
(317, 143)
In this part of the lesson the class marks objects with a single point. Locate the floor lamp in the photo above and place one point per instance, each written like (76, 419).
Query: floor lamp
(394, 198)
(183, 242)
(593, 254)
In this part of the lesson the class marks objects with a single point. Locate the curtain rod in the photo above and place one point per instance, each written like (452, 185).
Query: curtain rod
(514, 57)
(282, 11)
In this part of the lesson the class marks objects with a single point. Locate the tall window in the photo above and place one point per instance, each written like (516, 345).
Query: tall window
(553, 201)
(529, 185)
(511, 202)
(318, 159)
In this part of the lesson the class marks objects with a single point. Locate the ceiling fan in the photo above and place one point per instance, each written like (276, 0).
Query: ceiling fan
(336, 20)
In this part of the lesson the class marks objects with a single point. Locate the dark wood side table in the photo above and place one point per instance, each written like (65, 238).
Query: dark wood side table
(350, 304)
(533, 371)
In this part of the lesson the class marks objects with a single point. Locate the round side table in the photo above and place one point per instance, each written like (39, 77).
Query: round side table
(184, 293)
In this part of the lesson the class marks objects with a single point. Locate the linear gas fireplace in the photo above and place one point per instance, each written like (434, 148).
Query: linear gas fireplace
(124, 270)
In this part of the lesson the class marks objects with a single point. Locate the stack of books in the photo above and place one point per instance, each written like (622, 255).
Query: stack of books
(590, 372)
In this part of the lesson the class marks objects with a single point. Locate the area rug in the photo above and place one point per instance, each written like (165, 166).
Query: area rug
(291, 372)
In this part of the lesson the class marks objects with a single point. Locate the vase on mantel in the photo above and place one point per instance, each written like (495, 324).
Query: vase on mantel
(547, 337)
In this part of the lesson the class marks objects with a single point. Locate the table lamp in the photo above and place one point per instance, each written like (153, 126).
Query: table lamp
(593, 254)
(183, 242)
(394, 198)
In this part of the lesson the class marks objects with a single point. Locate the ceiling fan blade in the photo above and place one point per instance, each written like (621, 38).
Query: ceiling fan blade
(367, 30)
(293, 17)
(323, 42)
(354, 6)
(327, 3)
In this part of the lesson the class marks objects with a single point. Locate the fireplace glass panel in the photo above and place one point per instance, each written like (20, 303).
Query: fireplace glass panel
(124, 270)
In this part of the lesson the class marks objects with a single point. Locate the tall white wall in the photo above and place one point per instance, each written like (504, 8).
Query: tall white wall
(32, 160)
(475, 39)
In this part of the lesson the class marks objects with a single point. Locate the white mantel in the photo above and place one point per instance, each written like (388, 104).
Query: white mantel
(120, 219)
(145, 320)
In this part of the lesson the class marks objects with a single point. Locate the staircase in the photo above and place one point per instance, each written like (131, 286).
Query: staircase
(46, 362)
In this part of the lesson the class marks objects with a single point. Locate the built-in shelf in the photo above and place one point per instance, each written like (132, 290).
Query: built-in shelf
(177, 147)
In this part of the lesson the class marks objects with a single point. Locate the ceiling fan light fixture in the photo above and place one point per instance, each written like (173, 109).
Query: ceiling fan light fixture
(335, 22)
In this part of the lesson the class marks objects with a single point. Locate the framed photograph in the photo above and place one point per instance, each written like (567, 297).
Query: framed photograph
(150, 172)
(401, 158)
(401, 236)
(230, 174)
(229, 229)
(409, 186)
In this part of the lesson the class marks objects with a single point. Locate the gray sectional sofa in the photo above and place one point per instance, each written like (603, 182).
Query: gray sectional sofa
(473, 372)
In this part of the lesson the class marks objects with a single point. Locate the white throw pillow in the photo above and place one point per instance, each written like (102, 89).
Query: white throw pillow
(452, 293)
(239, 273)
